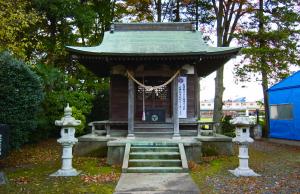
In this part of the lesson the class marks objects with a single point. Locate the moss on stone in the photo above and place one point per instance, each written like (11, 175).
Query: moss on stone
(209, 150)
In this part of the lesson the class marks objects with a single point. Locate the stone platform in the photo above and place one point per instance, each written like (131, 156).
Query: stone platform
(113, 147)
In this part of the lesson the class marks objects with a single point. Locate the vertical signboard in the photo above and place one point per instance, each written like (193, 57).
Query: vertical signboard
(182, 97)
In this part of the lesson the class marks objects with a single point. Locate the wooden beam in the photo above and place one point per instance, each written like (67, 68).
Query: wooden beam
(130, 109)
(176, 134)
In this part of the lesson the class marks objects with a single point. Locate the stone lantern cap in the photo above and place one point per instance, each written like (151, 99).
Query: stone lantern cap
(67, 120)
(242, 121)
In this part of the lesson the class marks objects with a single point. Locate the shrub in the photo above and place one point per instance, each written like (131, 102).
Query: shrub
(56, 98)
(100, 108)
(227, 128)
(53, 106)
(77, 114)
(20, 94)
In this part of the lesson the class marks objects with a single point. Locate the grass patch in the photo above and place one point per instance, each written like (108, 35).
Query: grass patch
(209, 151)
(205, 119)
(210, 167)
(31, 174)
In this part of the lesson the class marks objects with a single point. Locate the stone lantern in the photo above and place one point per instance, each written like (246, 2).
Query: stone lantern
(243, 139)
(67, 140)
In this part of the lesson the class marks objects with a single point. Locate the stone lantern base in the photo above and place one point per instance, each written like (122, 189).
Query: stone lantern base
(243, 172)
(69, 172)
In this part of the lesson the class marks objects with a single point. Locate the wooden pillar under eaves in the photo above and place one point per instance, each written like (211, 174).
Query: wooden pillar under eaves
(197, 103)
(176, 134)
(197, 96)
(130, 109)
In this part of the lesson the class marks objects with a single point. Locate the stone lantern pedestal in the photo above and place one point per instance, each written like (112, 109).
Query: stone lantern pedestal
(67, 140)
(243, 139)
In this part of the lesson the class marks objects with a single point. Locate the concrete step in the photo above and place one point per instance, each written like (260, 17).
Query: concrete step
(189, 132)
(154, 134)
(153, 125)
(154, 149)
(155, 170)
(154, 130)
(154, 144)
(154, 163)
(154, 155)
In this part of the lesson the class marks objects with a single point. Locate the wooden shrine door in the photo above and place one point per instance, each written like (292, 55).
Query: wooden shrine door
(157, 103)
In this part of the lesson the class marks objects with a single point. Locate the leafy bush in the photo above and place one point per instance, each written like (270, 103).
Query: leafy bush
(227, 128)
(86, 94)
(54, 104)
(20, 94)
(78, 115)
(100, 109)
(59, 90)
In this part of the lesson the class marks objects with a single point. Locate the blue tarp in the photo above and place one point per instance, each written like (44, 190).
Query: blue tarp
(286, 92)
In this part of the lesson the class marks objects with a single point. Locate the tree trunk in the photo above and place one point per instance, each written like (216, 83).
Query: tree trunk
(197, 14)
(113, 10)
(177, 18)
(266, 102)
(218, 101)
(158, 11)
(219, 85)
(264, 75)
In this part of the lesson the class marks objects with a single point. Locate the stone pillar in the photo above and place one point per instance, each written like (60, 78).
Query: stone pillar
(130, 109)
(67, 140)
(176, 134)
(243, 139)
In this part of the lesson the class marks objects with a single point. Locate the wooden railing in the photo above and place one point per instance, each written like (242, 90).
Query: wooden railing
(203, 128)
(106, 125)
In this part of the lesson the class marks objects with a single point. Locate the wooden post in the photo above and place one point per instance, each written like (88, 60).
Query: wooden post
(197, 102)
(176, 134)
(130, 109)
(197, 96)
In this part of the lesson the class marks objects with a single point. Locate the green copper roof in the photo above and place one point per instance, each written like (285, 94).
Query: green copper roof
(153, 43)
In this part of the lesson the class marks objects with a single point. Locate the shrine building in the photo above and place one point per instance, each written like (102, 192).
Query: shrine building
(154, 71)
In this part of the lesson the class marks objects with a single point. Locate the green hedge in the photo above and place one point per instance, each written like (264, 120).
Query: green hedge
(20, 94)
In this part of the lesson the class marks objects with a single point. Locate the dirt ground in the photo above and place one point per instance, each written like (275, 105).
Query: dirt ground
(278, 165)
(28, 170)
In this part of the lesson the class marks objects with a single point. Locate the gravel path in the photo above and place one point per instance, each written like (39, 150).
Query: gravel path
(278, 164)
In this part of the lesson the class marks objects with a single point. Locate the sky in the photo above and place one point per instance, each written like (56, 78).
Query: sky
(251, 90)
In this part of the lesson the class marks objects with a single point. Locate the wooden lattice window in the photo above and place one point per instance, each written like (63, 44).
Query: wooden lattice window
(158, 94)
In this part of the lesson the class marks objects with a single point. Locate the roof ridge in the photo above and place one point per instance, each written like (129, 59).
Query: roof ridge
(153, 26)
(290, 76)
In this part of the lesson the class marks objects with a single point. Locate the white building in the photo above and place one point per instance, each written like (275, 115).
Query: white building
(230, 107)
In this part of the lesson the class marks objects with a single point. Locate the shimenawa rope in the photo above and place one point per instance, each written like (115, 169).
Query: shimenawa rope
(151, 88)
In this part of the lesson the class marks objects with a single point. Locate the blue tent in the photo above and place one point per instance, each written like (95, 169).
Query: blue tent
(284, 101)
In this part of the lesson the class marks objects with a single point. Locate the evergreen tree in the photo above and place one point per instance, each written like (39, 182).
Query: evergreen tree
(21, 94)
(271, 44)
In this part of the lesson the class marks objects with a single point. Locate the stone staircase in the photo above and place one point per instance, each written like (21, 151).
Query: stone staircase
(153, 130)
(155, 157)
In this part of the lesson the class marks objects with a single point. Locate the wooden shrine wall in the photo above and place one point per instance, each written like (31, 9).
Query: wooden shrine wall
(118, 98)
(191, 92)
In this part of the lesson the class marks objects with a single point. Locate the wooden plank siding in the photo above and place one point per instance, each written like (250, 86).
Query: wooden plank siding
(119, 98)
(191, 112)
